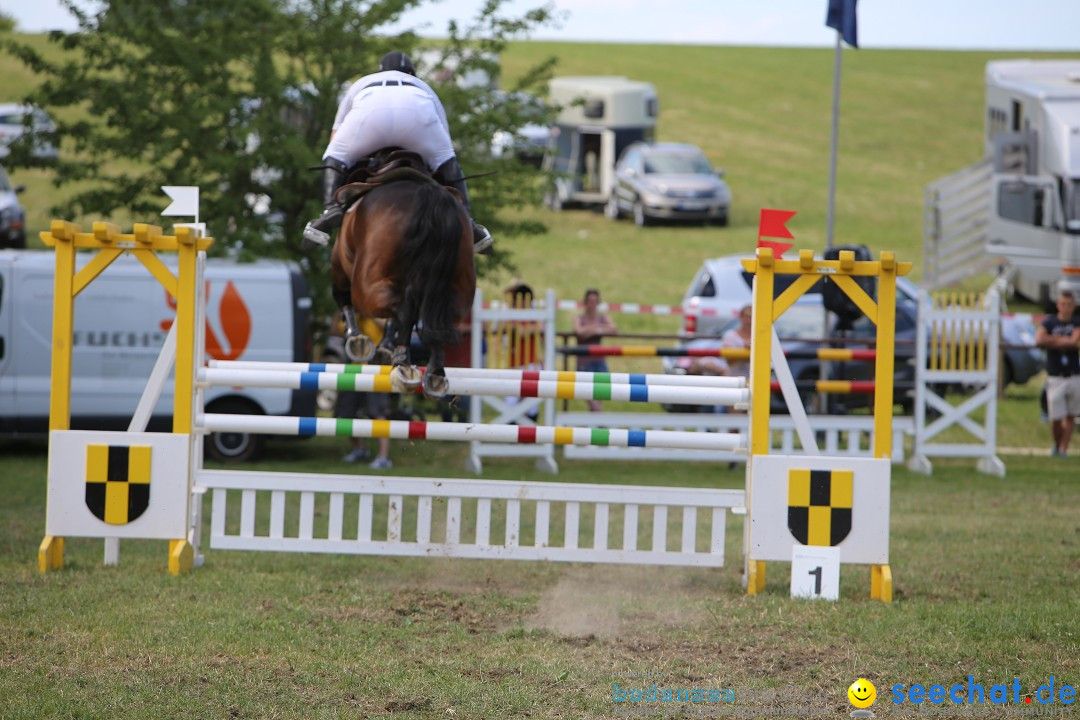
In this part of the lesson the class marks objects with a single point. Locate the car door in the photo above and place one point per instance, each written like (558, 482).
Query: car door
(624, 187)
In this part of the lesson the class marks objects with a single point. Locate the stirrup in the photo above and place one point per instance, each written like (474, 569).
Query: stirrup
(482, 240)
(313, 237)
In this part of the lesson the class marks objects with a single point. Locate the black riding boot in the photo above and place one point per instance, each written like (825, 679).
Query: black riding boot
(317, 231)
(450, 173)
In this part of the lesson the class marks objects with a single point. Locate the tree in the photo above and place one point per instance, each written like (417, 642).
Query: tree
(238, 98)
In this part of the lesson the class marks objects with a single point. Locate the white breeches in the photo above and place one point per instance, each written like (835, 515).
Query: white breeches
(400, 116)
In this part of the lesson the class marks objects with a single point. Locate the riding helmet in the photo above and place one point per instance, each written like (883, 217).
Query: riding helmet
(397, 60)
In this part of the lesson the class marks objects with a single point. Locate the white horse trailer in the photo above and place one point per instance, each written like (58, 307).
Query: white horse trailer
(599, 117)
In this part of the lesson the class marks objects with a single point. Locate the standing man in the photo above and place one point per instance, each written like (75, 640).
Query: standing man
(589, 329)
(1059, 335)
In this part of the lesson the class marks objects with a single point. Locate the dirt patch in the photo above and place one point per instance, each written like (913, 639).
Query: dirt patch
(611, 600)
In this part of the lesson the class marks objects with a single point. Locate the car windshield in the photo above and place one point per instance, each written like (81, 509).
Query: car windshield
(802, 321)
(662, 163)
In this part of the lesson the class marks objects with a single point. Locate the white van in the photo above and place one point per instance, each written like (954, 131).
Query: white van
(255, 311)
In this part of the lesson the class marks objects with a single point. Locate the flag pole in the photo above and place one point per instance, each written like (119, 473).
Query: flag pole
(831, 221)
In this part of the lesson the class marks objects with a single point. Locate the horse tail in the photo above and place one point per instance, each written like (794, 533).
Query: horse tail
(431, 248)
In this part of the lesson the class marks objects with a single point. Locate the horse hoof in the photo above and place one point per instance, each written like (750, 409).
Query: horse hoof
(435, 386)
(383, 356)
(406, 376)
(359, 348)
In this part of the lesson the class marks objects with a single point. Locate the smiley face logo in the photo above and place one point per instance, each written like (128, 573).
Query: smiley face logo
(862, 693)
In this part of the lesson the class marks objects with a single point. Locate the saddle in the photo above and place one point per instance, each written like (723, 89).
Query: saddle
(385, 166)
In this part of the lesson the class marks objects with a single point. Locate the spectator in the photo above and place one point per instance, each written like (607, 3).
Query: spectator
(589, 329)
(736, 338)
(377, 407)
(1059, 335)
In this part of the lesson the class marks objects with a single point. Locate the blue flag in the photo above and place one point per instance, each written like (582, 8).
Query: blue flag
(841, 17)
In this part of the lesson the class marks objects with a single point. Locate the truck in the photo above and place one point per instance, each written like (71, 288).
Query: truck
(599, 117)
(255, 311)
(1022, 201)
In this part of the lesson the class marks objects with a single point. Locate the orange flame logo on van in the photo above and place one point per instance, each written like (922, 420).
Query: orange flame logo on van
(235, 319)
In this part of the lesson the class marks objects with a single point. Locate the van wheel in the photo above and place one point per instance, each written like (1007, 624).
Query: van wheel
(233, 447)
(640, 218)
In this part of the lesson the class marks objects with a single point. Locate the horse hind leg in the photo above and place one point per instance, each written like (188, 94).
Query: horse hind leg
(384, 352)
(404, 373)
(435, 383)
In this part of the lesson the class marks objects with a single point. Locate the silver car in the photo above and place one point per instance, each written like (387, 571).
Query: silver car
(667, 181)
(13, 121)
(12, 215)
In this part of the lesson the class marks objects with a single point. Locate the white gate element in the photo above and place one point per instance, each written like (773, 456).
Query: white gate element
(438, 517)
(957, 345)
(957, 214)
(520, 411)
(839, 435)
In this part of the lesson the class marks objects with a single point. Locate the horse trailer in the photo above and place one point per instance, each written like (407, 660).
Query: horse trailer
(598, 118)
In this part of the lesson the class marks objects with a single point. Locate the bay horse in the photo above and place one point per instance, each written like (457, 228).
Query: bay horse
(404, 254)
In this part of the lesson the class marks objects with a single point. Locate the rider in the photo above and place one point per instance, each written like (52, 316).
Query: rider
(390, 108)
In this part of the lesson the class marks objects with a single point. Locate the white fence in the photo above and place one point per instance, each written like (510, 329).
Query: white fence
(957, 348)
(436, 517)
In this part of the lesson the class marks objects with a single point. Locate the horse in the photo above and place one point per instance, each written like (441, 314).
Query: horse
(404, 253)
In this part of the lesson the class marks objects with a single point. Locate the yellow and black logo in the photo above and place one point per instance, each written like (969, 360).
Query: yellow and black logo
(819, 505)
(117, 482)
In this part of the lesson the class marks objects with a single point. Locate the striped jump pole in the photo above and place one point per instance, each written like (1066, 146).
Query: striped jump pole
(467, 432)
(715, 381)
(381, 383)
(830, 354)
(841, 387)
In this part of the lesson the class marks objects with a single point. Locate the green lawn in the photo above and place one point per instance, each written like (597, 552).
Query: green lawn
(986, 578)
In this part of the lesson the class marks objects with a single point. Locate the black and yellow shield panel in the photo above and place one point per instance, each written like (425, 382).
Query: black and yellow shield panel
(117, 482)
(819, 505)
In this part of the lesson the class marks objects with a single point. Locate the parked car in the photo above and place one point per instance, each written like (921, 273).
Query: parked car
(722, 287)
(12, 215)
(13, 124)
(668, 181)
(530, 140)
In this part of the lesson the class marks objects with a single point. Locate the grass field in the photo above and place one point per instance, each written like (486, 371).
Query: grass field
(987, 571)
(986, 584)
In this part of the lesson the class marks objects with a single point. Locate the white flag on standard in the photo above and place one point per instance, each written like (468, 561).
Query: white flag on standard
(185, 200)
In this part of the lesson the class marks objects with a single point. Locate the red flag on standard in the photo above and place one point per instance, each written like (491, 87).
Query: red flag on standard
(773, 225)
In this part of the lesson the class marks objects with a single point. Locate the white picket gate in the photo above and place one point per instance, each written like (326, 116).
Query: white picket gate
(437, 517)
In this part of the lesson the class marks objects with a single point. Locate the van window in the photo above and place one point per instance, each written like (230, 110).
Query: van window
(1023, 202)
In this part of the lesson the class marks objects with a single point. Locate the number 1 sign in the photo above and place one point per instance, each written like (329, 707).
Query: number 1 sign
(815, 572)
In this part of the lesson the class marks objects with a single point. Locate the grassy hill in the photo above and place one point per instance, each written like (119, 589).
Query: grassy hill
(763, 114)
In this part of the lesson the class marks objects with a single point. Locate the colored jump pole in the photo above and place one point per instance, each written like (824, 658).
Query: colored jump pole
(479, 386)
(467, 432)
(832, 354)
(712, 381)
